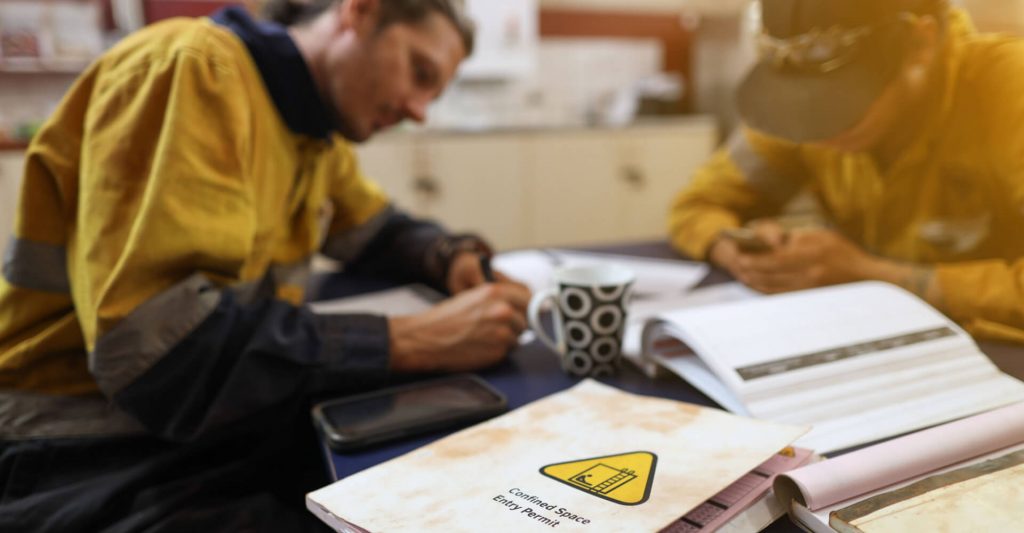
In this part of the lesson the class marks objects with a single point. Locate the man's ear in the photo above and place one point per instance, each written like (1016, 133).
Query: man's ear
(924, 48)
(359, 15)
(926, 38)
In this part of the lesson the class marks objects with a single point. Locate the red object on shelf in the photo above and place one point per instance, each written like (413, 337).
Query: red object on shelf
(107, 15)
(19, 44)
(13, 146)
(161, 9)
(677, 40)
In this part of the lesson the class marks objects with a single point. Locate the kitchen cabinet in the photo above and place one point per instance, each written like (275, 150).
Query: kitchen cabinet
(469, 183)
(544, 187)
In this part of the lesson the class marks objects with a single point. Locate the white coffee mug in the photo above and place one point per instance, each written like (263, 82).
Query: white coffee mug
(590, 304)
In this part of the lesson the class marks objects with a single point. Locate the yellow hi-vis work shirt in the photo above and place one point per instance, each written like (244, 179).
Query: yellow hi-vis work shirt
(954, 199)
(167, 159)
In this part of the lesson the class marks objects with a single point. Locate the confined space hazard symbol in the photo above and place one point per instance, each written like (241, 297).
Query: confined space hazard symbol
(624, 478)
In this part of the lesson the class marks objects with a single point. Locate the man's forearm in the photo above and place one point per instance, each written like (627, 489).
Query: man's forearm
(918, 279)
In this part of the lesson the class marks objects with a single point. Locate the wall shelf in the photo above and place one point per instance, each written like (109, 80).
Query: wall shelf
(42, 66)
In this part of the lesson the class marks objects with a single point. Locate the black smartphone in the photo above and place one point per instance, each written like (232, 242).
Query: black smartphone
(747, 240)
(358, 421)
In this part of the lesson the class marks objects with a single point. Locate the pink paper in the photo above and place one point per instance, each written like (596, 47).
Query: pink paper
(829, 482)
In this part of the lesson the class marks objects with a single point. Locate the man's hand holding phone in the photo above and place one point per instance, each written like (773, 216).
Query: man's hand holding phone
(759, 237)
(770, 259)
(734, 247)
(747, 240)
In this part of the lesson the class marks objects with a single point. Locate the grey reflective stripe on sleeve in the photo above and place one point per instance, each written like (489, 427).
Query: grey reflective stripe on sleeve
(25, 415)
(251, 291)
(771, 184)
(36, 266)
(146, 335)
(347, 245)
(296, 274)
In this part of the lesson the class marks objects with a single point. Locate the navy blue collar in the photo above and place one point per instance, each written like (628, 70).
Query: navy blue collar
(284, 72)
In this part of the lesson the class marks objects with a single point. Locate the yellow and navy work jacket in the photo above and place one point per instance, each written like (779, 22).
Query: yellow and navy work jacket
(954, 199)
(167, 217)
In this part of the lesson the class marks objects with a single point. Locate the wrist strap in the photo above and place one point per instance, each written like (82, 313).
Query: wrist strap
(447, 247)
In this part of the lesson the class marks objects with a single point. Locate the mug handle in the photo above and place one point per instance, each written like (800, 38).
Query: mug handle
(533, 313)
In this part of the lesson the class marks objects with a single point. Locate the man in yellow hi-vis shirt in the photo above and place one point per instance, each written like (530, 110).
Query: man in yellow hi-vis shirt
(908, 129)
(156, 359)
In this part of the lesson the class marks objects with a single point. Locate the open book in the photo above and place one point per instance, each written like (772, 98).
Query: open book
(859, 362)
(966, 475)
(591, 458)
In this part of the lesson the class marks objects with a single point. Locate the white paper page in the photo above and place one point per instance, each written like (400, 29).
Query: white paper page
(642, 310)
(698, 374)
(781, 326)
(531, 267)
(876, 379)
(406, 300)
(654, 277)
(882, 420)
(859, 362)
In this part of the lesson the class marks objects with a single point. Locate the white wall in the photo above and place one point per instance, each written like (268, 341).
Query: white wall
(709, 7)
(723, 51)
(573, 79)
(996, 15)
(30, 97)
(10, 179)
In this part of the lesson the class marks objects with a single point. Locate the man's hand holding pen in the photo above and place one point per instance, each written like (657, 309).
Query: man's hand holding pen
(474, 328)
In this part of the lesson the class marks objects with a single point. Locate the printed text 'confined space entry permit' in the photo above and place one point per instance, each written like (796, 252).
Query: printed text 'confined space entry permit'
(637, 463)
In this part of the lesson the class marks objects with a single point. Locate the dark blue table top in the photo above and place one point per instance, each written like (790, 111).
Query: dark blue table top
(532, 371)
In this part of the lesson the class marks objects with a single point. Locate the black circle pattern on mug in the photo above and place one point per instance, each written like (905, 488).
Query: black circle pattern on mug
(575, 302)
(606, 319)
(577, 334)
(578, 363)
(604, 350)
(594, 322)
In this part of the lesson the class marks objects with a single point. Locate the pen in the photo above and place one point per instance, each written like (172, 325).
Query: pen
(485, 267)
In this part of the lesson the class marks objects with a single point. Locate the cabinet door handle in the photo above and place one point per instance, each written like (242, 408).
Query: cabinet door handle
(634, 177)
(426, 185)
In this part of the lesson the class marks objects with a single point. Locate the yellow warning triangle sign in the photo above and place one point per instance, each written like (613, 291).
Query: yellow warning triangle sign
(625, 478)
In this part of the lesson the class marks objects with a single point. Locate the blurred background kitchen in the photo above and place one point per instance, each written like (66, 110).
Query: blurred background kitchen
(574, 123)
